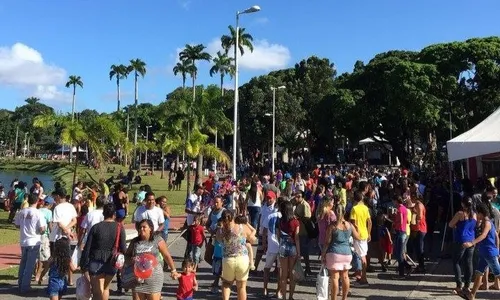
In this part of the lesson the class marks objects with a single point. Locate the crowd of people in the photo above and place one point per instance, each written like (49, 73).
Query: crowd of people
(353, 219)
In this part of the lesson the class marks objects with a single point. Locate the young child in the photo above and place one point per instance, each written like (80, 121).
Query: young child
(385, 241)
(217, 262)
(187, 281)
(197, 239)
(60, 263)
(242, 220)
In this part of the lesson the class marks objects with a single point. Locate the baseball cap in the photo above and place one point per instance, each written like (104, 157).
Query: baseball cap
(48, 200)
(120, 214)
(270, 194)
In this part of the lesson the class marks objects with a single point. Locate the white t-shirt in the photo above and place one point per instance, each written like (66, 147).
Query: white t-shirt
(254, 202)
(155, 215)
(92, 218)
(301, 185)
(265, 212)
(63, 213)
(193, 203)
(30, 221)
(273, 244)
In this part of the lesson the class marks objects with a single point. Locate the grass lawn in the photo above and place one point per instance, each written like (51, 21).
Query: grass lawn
(176, 199)
(8, 275)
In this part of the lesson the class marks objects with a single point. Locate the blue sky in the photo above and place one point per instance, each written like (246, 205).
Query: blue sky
(44, 41)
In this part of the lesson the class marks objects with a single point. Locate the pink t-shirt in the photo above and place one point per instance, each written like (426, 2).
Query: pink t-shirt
(401, 211)
(323, 225)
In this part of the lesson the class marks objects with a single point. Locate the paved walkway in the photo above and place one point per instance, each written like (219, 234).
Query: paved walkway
(10, 255)
(435, 285)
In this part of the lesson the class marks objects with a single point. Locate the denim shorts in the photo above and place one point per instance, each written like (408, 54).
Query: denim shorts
(492, 262)
(217, 266)
(287, 248)
(57, 287)
(99, 268)
(195, 253)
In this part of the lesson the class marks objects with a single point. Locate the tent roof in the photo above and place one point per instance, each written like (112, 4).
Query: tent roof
(370, 140)
(480, 140)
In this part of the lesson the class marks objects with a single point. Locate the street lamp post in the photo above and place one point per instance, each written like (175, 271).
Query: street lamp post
(274, 123)
(250, 10)
(25, 141)
(147, 139)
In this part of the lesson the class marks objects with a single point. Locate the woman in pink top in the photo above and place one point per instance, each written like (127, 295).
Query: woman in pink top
(400, 218)
(325, 217)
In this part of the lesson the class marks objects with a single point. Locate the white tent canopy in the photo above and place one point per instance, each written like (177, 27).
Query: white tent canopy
(480, 140)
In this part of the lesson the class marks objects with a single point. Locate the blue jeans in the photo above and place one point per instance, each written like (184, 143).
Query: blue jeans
(399, 251)
(29, 255)
(418, 247)
(253, 213)
(462, 259)
(488, 261)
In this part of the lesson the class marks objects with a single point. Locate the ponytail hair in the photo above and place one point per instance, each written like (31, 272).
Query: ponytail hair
(486, 199)
(339, 212)
(467, 204)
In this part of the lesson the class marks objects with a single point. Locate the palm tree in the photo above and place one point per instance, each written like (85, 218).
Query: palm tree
(91, 132)
(244, 40)
(32, 100)
(73, 81)
(184, 67)
(139, 68)
(193, 54)
(222, 65)
(119, 72)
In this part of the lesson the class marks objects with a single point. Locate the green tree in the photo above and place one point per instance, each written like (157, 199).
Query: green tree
(245, 40)
(193, 54)
(98, 133)
(118, 72)
(184, 67)
(72, 82)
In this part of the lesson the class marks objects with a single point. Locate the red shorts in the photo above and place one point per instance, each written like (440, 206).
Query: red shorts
(385, 245)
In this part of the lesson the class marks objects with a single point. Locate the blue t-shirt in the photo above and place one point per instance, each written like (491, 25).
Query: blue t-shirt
(218, 250)
(488, 246)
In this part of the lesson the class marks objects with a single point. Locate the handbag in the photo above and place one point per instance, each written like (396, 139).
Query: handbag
(298, 271)
(118, 259)
(322, 284)
(83, 291)
(129, 280)
(311, 228)
(209, 252)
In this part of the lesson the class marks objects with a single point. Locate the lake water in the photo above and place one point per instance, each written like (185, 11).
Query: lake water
(7, 176)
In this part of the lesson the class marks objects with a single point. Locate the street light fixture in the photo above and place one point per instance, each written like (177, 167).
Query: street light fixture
(250, 10)
(274, 122)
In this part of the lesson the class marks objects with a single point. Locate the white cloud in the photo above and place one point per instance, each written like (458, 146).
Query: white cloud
(265, 56)
(23, 67)
(185, 4)
(51, 94)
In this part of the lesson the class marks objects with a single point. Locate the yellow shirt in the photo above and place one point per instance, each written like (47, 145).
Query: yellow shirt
(343, 197)
(360, 214)
(408, 222)
(25, 204)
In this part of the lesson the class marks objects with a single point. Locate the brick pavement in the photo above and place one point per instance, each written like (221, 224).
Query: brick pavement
(435, 285)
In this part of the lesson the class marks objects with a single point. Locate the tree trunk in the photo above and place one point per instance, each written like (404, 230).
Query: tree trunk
(75, 170)
(118, 92)
(199, 169)
(162, 165)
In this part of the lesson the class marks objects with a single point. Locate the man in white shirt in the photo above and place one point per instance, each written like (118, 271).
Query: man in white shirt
(193, 205)
(149, 211)
(31, 224)
(269, 237)
(91, 219)
(63, 219)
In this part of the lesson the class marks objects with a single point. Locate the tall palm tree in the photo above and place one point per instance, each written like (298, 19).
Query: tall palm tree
(222, 65)
(119, 72)
(184, 67)
(245, 40)
(73, 81)
(139, 68)
(193, 54)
